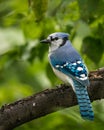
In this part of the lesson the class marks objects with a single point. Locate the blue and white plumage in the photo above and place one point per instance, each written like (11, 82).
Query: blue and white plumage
(69, 67)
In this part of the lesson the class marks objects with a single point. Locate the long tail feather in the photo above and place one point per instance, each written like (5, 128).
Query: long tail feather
(83, 101)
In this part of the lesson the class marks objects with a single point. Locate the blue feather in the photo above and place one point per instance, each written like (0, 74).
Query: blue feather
(67, 60)
(83, 101)
(72, 69)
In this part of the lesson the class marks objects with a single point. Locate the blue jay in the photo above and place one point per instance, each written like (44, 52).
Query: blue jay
(70, 68)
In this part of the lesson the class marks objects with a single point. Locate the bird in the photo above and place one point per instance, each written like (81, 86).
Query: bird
(68, 65)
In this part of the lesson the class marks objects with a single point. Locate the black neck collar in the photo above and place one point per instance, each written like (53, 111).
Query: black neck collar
(64, 41)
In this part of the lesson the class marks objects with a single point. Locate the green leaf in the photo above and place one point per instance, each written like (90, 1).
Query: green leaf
(39, 9)
(93, 48)
(89, 9)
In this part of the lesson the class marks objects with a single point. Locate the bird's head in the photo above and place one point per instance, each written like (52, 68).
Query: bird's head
(56, 40)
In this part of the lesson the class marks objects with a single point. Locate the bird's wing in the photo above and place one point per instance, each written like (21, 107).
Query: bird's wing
(76, 70)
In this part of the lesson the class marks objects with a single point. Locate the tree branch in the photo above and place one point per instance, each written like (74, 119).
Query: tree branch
(48, 101)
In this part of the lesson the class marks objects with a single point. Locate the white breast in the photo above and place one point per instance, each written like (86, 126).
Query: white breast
(63, 77)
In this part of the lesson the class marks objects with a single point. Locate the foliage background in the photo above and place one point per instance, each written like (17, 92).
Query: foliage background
(24, 67)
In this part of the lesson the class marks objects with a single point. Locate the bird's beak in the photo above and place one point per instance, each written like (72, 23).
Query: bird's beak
(45, 41)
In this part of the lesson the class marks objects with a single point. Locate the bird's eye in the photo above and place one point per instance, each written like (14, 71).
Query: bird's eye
(52, 39)
(56, 38)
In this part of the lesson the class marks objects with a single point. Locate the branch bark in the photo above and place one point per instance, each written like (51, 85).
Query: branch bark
(48, 101)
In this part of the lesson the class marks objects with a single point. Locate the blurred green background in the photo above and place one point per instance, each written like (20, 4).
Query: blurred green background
(24, 67)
